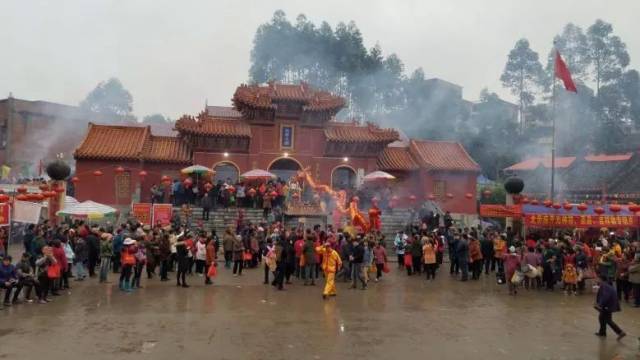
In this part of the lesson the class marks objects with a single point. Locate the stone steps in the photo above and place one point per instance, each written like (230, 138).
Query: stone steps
(222, 218)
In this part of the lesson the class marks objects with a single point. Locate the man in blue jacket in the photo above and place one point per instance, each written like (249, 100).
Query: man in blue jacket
(607, 303)
(8, 278)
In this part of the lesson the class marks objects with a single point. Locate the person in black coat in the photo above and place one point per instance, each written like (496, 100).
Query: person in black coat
(607, 303)
(93, 245)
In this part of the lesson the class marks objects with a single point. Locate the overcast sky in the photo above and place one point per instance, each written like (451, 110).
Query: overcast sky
(173, 55)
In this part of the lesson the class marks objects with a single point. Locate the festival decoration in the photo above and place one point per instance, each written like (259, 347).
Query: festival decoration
(58, 189)
(582, 207)
(525, 200)
(431, 197)
(43, 187)
(486, 193)
(22, 197)
(567, 206)
(75, 180)
(449, 196)
(547, 203)
(119, 170)
(98, 173)
(468, 196)
(142, 174)
(599, 210)
(514, 185)
(165, 180)
(412, 198)
(557, 206)
(615, 208)
(22, 189)
(374, 215)
(4, 198)
(534, 202)
(58, 170)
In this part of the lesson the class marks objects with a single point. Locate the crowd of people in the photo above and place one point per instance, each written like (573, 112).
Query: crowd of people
(53, 255)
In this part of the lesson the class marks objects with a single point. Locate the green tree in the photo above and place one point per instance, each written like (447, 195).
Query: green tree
(111, 99)
(523, 74)
(572, 44)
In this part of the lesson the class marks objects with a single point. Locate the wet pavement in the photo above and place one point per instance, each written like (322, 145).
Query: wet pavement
(239, 318)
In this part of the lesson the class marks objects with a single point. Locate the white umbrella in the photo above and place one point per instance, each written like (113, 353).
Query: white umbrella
(378, 176)
(196, 169)
(258, 174)
(88, 209)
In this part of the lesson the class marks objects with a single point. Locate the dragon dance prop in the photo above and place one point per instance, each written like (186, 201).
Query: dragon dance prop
(340, 197)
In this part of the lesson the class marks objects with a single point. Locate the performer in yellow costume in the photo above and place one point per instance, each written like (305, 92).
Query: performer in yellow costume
(331, 263)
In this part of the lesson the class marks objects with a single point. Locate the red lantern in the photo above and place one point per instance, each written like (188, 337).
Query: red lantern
(75, 180)
(142, 174)
(449, 196)
(119, 170)
(567, 206)
(22, 189)
(98, 173)
(165, 179)
(599, 210)
(634, 208)
(412, 198)
(394, 198)
(38, 197)
(615, 208)
(525, 200)
(557, 206)
(431, 197)
(582, 207)
(58, 189)
(468, 195)
(4, 198)
(22, 197)
(547, 203)
(535, 202)
(44, 187)
(486, 193)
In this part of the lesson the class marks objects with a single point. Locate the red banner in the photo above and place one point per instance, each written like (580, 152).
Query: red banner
(162, 214)
(580, 221)
(500, 211)
(142, 213)
(5, 211)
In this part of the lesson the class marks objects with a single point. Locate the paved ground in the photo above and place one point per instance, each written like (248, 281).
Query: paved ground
(239, 318)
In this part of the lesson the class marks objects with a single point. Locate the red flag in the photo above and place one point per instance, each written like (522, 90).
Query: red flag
(562, 73)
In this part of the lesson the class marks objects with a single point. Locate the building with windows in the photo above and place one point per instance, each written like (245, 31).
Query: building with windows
(281, 128)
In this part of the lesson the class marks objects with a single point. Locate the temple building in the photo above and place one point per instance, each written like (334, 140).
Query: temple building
(281, 128)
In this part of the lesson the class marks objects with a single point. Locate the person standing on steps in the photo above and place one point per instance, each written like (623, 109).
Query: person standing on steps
(206, 203)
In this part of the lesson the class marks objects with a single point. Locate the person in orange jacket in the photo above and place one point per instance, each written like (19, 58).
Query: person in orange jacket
(331, 263)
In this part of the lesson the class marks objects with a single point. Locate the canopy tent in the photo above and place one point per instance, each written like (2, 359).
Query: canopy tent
(378, 176)
(540, 216)
(70, 201)
(258, 174)
(88, 209)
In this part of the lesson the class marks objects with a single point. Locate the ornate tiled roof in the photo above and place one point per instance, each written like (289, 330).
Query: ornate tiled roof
(226, 112)
(167, 149)
(354, 133)
(207, 125)
(131, 143)
(534, 163)
(109, 142)
(442, 155)
(257, 96)
(396, 159)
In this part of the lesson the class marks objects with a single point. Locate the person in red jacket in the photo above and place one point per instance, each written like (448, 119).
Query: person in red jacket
(61, 258)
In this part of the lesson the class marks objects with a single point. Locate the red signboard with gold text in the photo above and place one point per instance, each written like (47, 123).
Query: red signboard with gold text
(162, 214)
(5, 211)
(580, 221)
(142, 213)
